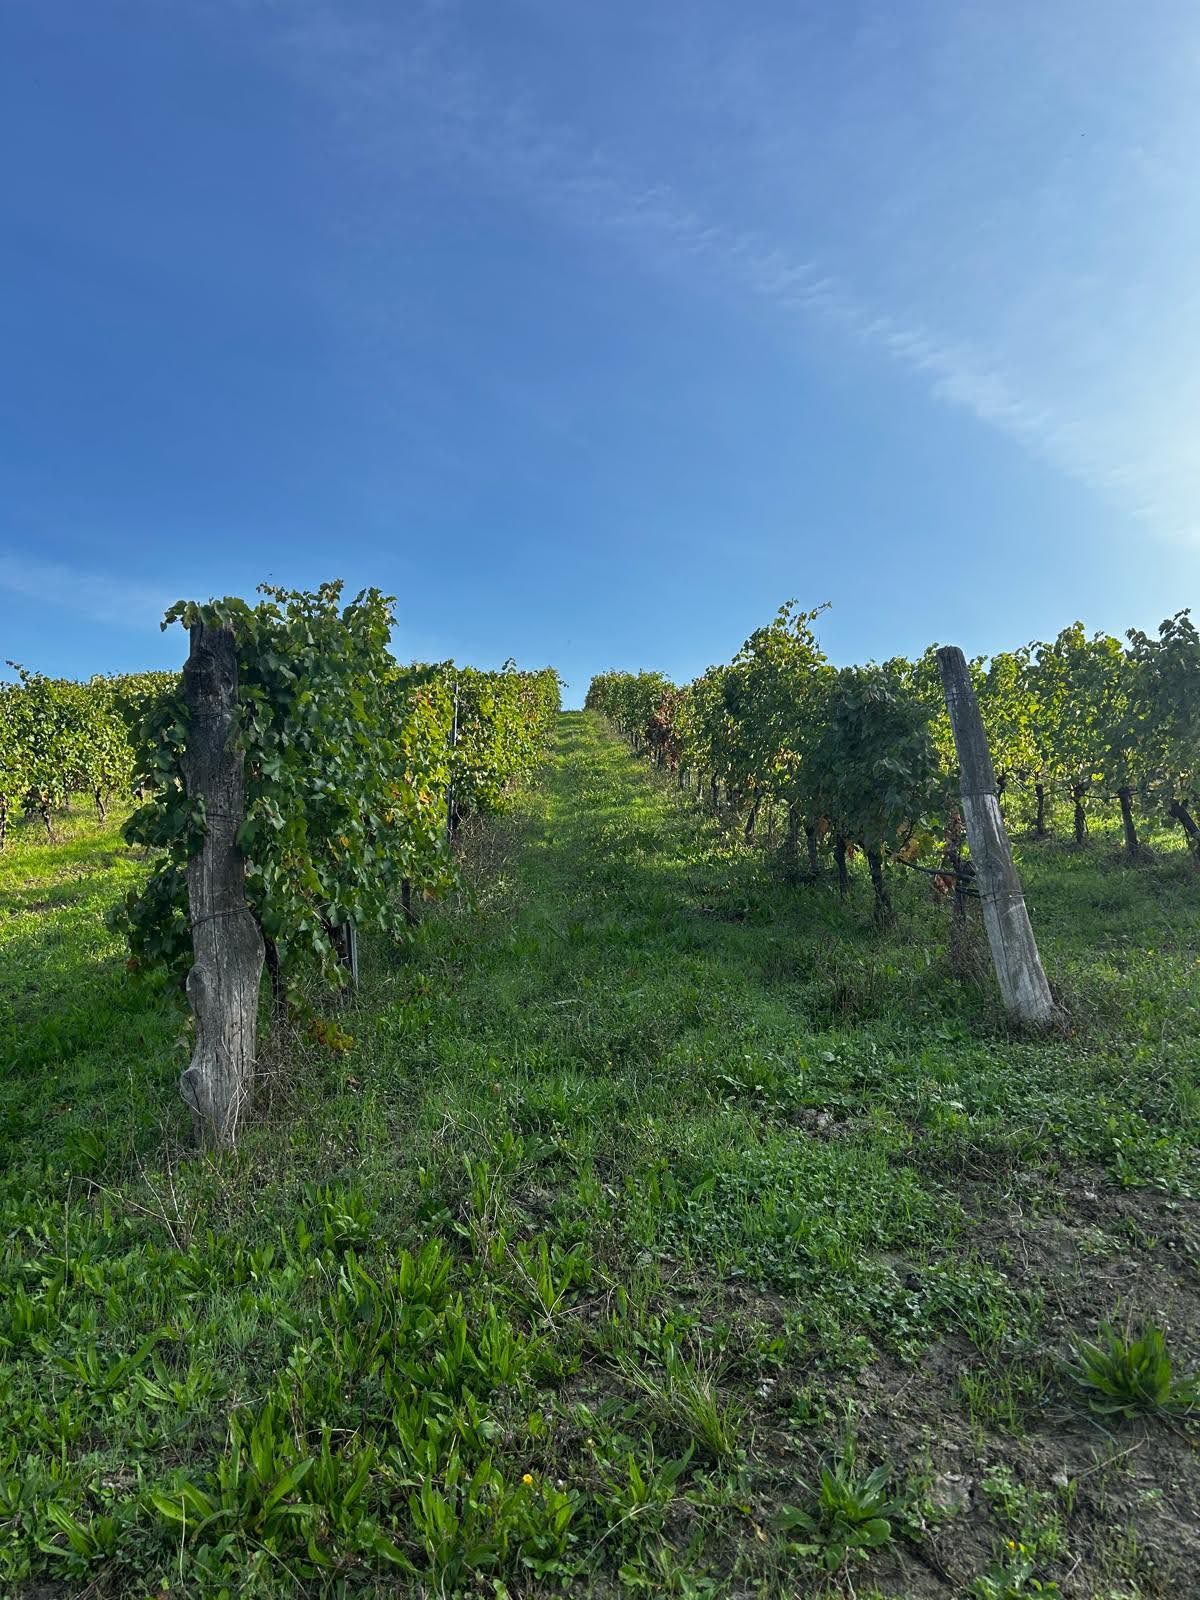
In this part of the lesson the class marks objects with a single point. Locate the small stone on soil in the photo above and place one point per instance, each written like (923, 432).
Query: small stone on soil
(951, 1491)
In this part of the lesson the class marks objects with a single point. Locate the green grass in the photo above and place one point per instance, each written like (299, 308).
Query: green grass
(86, 1054)
(649, 1187)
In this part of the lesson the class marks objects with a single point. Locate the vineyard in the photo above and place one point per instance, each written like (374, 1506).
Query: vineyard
(450, 1146)
(59, 739)
(861, 758)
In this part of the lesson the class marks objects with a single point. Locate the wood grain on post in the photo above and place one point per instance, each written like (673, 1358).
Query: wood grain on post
(1027, 997)
(227, 948)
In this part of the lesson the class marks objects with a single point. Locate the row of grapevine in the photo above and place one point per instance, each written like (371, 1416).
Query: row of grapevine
(59, 738)
(863, 756)
(300, 787)
(350, 775)
(353, 766)
(500, 724)
(1089, 720)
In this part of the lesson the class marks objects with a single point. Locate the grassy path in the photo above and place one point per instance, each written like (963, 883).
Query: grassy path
(647, 1187)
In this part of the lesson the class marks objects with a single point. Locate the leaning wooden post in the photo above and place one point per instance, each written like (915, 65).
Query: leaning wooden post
(1027, 997)
(227, 947)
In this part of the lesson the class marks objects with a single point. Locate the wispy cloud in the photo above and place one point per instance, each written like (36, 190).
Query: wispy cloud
(997, 200)
(115, 601)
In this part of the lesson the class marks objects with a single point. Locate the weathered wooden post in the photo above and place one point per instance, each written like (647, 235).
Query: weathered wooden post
(1027, 997)
(227, 948)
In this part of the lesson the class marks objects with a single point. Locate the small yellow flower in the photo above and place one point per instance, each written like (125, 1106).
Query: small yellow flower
(1012, 1544)
(527, 1479)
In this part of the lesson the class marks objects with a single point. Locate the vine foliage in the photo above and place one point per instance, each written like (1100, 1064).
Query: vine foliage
(349, 760)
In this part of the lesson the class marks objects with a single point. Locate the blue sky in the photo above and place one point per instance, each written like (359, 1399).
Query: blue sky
(594, 332)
